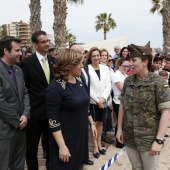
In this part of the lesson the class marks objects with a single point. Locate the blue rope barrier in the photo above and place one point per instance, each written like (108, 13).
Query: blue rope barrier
(113, 159)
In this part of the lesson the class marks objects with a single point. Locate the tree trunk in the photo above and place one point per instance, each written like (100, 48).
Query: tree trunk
(104, 35)
(60, 13)
(35, 15)
(166, 28)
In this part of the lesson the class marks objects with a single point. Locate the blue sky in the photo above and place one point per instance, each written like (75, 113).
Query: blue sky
(131, 16)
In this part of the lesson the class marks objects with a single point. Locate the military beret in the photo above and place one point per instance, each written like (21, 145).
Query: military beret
(139, 51)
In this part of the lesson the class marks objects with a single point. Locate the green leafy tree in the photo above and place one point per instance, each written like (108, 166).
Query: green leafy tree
(3, 31)
(70, 38)
(163, 8)
(59, 26)
(105, 22)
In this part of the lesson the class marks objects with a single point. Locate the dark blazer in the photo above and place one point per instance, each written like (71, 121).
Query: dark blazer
(85, 66)
(14, 101)
(36, 84)
(87, 87)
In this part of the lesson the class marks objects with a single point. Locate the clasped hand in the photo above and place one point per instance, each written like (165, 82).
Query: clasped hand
(100, 102)
(23, 122)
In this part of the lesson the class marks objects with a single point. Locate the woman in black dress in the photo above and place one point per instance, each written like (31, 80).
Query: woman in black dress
(67, 103)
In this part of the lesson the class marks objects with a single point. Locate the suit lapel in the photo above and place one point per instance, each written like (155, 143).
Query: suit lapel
(18, 80)
(50, 63)
(94, 73)
(6, 75)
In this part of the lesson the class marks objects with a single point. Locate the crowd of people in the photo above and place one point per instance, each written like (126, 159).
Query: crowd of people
(58, 98)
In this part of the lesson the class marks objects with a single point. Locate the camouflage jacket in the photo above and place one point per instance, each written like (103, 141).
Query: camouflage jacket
(143, 101)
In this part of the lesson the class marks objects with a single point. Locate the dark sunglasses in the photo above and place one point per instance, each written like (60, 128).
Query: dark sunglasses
(109, 60)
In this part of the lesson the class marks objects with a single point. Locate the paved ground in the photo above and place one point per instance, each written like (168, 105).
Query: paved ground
(122, 163)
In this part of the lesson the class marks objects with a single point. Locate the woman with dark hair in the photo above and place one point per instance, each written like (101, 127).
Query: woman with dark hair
(144, 111)
(124, 53)
(100, 88)
(67, 106)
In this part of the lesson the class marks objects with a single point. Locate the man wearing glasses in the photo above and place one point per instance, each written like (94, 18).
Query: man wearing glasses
(38, 72)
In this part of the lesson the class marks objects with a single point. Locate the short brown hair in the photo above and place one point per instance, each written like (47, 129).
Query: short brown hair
(88, 55)
(102, 50)
(6, 42)
(66, 60)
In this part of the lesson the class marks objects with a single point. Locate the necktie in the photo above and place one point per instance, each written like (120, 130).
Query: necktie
(11, 74)
(46, 70)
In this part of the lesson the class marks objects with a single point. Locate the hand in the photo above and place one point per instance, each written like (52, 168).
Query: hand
(119, 136)
(93, 131)
(23, 122)
(101, 106)
(64, 154)
(101, 101)
(155, 149)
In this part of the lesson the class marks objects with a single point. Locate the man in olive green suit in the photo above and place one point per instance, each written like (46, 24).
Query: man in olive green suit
(14, 106)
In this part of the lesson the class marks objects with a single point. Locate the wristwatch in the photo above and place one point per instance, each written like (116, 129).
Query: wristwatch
(159, 141)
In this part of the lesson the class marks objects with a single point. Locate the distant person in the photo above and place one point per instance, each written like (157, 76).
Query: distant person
(51, 50)
(117, 52)
(157, 64)
(104, 56)
(167, 68)
(14, 106)
(28, 53)
(118, 79)
(144, 111)
(124, 53)
(153, 53)
(38, 73)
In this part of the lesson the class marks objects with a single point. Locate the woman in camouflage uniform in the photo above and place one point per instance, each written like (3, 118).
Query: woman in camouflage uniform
(144, 111)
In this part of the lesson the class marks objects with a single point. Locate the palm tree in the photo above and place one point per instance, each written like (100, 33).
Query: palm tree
(35, 17)
(105, 22)
(60, 14)
(163, 8)
(70, 38)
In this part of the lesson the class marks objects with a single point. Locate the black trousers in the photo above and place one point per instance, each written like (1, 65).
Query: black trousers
(34, 130)
(116, 109)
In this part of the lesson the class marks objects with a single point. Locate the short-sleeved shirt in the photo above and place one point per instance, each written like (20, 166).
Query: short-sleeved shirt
(143, 101)
(117, 77)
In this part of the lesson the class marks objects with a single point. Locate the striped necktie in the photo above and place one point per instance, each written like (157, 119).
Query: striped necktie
(46, 70)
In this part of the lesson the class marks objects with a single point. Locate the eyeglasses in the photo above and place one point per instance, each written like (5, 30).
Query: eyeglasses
(43, 42)
(110, 60)
(125, 66)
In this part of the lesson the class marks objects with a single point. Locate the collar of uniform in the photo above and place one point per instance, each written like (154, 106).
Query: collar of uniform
(136, 82)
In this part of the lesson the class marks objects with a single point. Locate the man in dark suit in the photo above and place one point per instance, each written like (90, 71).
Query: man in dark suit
(38, 72)
(14, 106)
(85, 77)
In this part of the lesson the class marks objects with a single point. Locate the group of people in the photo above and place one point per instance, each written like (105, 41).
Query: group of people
(62, 97)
